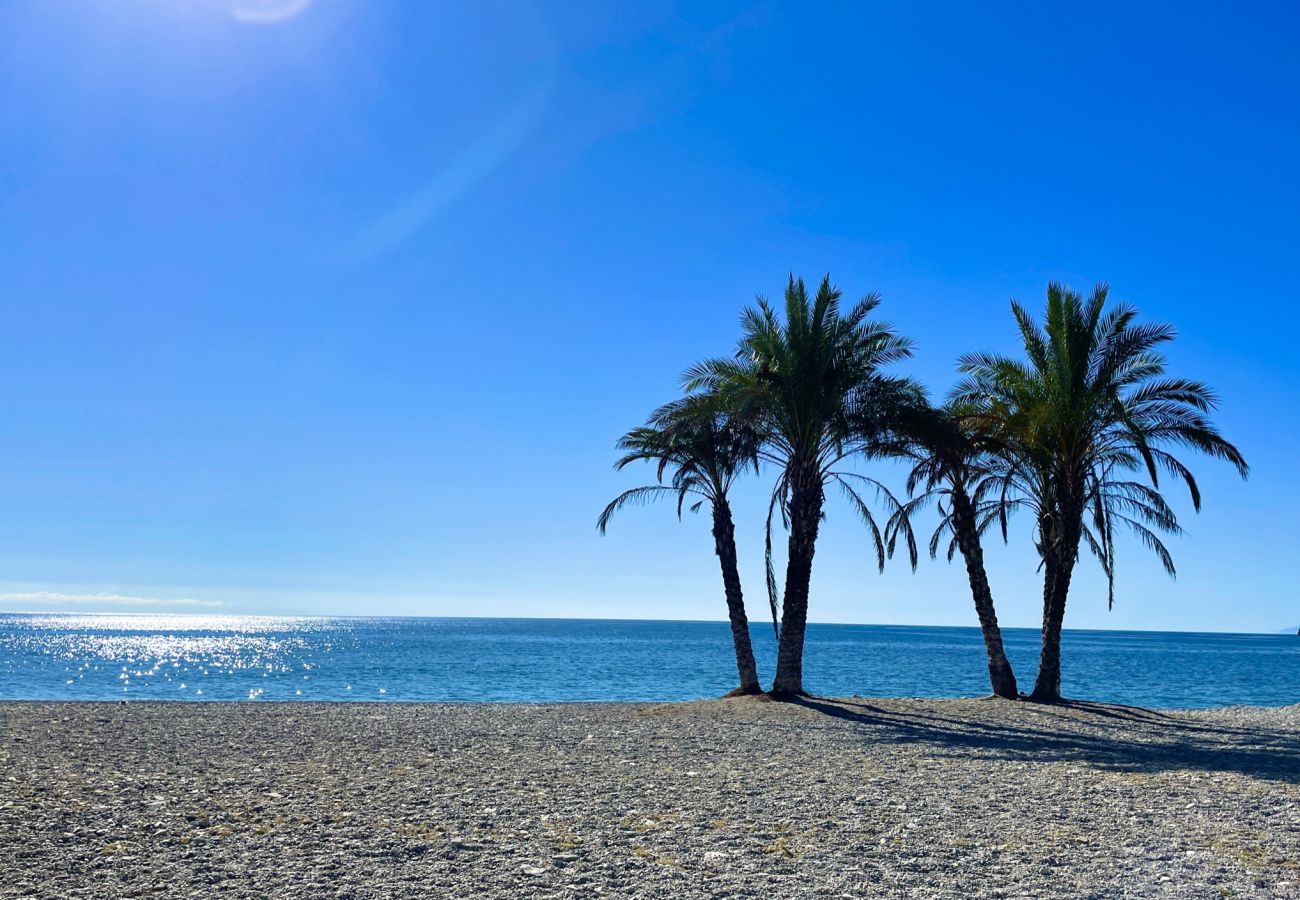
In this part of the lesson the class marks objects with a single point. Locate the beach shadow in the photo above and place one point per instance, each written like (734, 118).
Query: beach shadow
(1119, 738)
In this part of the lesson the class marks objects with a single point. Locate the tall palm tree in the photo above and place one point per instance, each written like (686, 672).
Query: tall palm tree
(701, 449)
(952, 461)
(811, 381)
(1090, 404)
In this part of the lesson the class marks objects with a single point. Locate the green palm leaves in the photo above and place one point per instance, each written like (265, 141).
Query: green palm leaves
(698, 450)
(1088, 407)
(1080, 429)
(812, 382)
(955, 460)
(806, 378)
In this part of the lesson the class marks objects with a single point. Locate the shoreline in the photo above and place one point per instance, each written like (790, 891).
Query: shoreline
(735, 797)
(1068, 703)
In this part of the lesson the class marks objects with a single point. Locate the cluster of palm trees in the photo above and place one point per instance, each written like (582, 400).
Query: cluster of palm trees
(1077, 431)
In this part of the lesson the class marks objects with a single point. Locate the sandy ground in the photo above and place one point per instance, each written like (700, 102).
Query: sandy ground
(734, 798)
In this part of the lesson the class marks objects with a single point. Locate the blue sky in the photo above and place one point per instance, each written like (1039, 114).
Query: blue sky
(338, 307)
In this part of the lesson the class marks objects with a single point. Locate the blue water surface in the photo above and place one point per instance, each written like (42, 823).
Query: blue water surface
(260, 658)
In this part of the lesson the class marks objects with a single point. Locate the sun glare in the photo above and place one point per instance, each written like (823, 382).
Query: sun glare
(267, 12)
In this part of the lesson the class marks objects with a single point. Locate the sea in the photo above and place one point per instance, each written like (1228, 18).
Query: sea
(263, 659)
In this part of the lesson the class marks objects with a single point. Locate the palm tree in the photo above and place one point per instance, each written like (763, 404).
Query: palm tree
(702, 450)
(1090, 404)
(953, 460)
(811, 381)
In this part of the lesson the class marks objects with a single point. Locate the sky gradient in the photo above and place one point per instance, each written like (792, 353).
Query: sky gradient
(339, 307)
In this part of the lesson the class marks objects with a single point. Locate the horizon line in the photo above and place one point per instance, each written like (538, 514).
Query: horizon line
(208, 615)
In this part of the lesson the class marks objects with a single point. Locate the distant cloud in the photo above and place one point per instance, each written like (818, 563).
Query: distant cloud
(54, 598)
(267, 12)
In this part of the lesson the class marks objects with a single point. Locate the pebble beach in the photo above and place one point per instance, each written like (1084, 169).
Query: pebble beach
(741, 797)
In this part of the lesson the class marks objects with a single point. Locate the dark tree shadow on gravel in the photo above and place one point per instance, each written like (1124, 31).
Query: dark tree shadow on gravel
(1120, 738)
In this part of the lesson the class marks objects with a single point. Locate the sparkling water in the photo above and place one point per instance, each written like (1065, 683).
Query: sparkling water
(266, 658)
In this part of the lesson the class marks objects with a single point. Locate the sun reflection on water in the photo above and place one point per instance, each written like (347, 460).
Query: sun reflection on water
(257, 659)
(166, 656)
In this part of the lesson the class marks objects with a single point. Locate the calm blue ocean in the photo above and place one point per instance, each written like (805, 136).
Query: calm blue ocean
(171, 657)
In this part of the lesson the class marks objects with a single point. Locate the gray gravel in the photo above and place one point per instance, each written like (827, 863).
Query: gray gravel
(734, 798)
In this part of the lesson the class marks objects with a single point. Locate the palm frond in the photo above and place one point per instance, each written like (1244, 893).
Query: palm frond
(637, 496)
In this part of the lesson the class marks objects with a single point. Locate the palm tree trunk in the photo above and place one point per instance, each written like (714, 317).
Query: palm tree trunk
(805, 518)
(724, 541)
(1056, 588)
(1001, 677)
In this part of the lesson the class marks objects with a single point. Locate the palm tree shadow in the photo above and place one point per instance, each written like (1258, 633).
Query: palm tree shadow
(1118, 738)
